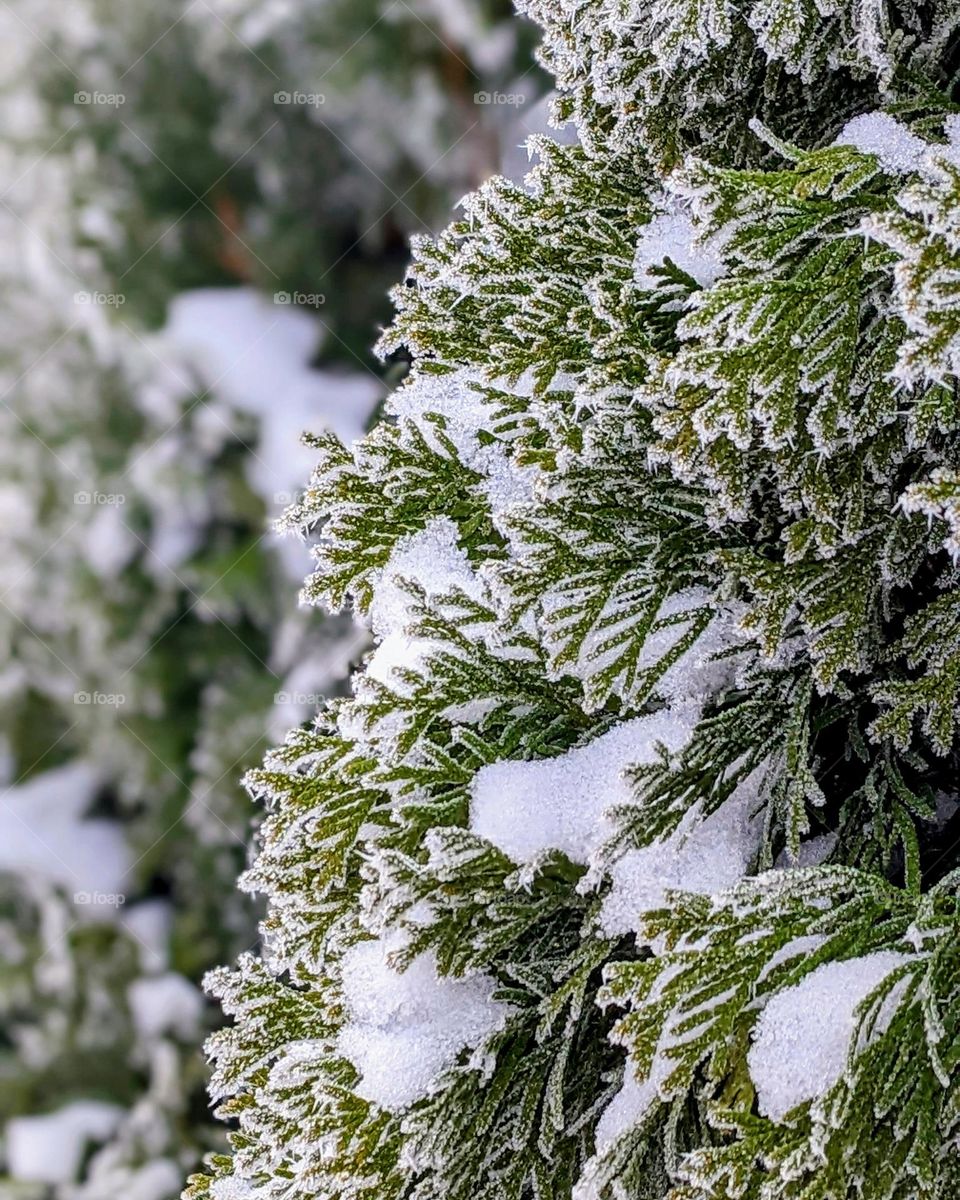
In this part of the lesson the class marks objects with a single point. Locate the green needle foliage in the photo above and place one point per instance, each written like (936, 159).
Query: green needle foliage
(268, 159)
(629, 870)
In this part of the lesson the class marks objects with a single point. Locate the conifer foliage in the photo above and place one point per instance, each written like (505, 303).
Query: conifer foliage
(194, 167)
(628, 871)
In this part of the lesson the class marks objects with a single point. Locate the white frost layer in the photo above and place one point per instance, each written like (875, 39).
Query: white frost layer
(49, 1149)
(673, 234)
(705, 857)
(43, 834)
(530, 808)
(432, 559)
(165, 1004)
(407, 1029)
(801, 1041)
(900, 152)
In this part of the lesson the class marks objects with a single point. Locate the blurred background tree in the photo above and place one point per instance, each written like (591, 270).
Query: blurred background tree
(203, 205)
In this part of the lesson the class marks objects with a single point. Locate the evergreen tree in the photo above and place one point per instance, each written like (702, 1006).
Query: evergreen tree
(149, 638)
(288, 145)
(629, 871)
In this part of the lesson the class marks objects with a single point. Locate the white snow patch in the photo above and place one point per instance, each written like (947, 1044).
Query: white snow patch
(433, 559)
(165, 1004)
(455, 398)
(150, 924)
(506, 483)
(465, 412)
(951, 152)
(802, 1038)
(110, 1174)
(799, 947)
(108, 543)
(178, 511)
(899, 151)
(43, 832)
(812, 852)
(697, 672)
(703, 856)
(407, 1029)
(157, 1180)
(673, 234)
(634, 1100)
(631, 1103)
(49, 1148)
(530, 808)
(311, 680)
(256, 356)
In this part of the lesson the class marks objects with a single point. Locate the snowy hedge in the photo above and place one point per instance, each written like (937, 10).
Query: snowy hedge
(163, 208)
(628, 869)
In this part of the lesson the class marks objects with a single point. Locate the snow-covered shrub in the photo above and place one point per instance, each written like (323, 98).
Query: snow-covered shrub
(188, 274)
(646, 793)
(149, 642)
